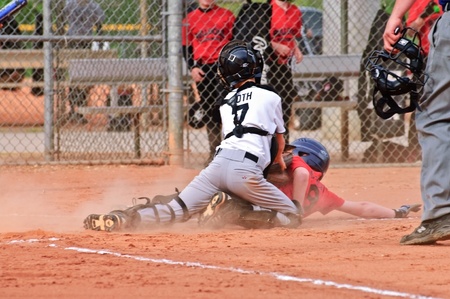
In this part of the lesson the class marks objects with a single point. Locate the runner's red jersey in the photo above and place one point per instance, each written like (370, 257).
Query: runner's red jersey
(207, 32)
(414, 12)
(318, 197)
(285, 26)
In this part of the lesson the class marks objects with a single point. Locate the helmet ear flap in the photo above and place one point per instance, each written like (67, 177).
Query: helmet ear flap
(222, 80)
(259, 65)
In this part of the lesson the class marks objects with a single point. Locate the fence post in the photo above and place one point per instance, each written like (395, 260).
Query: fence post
(48, 85)
(175, 84)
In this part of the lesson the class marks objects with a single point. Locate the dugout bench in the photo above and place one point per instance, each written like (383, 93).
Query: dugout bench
(150, 70)
(34, 59)
(116, 72)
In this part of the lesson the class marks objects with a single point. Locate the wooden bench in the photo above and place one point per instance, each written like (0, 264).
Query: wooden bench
(115, 72)
(34, 59)
(323, 66)
(135, 112)
(320, 67)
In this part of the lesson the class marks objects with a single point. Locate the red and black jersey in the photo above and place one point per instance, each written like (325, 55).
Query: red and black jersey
(414, 12)
(207, 31)
(318, 197)
(285, 25)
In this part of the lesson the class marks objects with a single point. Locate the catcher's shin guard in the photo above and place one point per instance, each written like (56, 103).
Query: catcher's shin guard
(161, 199)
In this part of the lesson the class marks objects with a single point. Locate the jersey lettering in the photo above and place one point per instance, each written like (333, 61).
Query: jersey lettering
(210, 34)
(244, 108)
(243, 97)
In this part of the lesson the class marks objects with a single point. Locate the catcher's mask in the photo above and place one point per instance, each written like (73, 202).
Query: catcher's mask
(238, 61)
(408, 76)
(313, 153)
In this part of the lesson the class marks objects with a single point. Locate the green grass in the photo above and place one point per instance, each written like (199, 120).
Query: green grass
(128, 12)
(234, 6)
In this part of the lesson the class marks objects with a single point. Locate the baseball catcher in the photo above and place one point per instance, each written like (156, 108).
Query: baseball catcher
(253, 126)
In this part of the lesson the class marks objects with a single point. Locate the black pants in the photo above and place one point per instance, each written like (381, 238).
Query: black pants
(78, 95)
(281, 79)
(211, 92)
(365, 84)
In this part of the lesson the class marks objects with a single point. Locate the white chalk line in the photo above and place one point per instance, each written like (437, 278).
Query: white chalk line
(349, 219)
(282, 277)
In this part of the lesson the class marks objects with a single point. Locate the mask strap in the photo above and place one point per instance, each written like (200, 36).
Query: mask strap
(387, 101)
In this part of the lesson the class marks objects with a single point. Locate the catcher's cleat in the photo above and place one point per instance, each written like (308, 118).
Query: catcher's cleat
(104, 222)
(220, 211)
(429, 232)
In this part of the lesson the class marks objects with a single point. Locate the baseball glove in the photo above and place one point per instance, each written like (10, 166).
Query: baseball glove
(277, 176)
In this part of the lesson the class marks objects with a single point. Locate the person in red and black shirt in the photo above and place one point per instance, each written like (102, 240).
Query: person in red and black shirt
(421, 17)
(285, 26)
(310, 162)
(205, 31)
(316, 197)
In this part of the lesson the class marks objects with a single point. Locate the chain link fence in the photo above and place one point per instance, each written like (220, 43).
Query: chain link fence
(86, 81)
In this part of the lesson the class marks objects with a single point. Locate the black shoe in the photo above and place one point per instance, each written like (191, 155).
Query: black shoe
(429, 232)
(104, 222)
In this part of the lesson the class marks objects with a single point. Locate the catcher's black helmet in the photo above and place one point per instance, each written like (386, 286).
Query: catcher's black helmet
(406, 76)
(238, 61)
(313, 153)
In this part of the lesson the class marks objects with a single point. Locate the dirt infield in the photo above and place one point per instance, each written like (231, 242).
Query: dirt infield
(46, 253)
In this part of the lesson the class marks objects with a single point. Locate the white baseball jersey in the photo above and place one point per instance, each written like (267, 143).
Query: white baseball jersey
(259, 108)
(237, 168)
